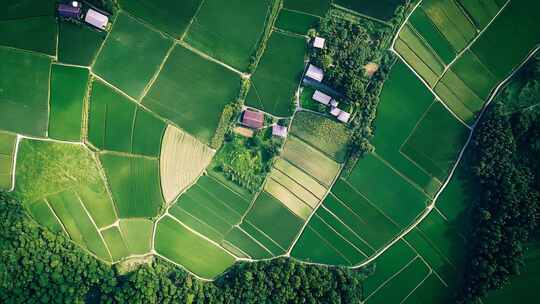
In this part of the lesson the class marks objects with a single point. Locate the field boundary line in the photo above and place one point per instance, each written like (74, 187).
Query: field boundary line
(390, 278)
(95, 226)
(114, 224)
(212, 59)
(219, 199)
(361, 219)
(436, 249)
(30, 52)
(188, 27)
(126, 154)
(330, 245)
(340, 236)
(299, 12)
(249, 258)
(297, 182)
(198, 220)
(49, 97)
(154, 78)
(265, 235)
(289, 191)
(430, 272)
(203, 207)
(14, 162)
(254, 239)
(105, 181)
(181, 267)
(358, 14)
(348, 228)
(98, 53)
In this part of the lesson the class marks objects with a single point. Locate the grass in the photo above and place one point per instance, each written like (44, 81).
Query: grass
(310, 160)
(117, 124)
(68, 91)
(134, 183)
(314, 7)
(276, 78)
(229, 32)
(325, 134)
(440, 127)
(264, 215)
(192, 92)
(7, 150)
(78, 44)
(381, 9)
(131, 55)
(44, 215)
(169, 16)
(36, 34)
(203, 258)
(240, 239)
(296, 22)
(427, 29)
(77, 223)
(451, 22)
(183, 158)
(137, 234)
(115, 243)
(24, 104)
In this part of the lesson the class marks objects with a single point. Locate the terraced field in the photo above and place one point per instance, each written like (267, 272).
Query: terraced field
(106, 135)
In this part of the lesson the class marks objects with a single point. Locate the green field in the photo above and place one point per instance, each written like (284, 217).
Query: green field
(420, 66)
(7, 155)
(24, 92)
(131, 55)
(313, 7)
(68, 92)
(191, 92)
(78, 44)
(310, 160)
(277, 76)
(300, 177)
(182, 246)
(427, 29)
(296, 22)
(481, 11)
(264, 215)
(12, 9)
(115, 243)
(229, 31)
(240, 239)
(423, 51)
(137, 234)
(380, 9)
(210, 208)
(36, 34)
(323, 133)
(135, 185)
(45, 216)
(118, 124)
(169, 16)
(475, 75)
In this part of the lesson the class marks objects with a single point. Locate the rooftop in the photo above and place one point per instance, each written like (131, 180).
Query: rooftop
(253, 119)
(96, 19)
(280, 131)
(318, 42)
(315, 73)
(321, 97)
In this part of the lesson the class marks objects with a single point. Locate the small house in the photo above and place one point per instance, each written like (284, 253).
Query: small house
(315, 73)
(253, 119)
(321, 97)
(344, 117)
(318, 42)
(73, 11)
(96, 19)
(334, 103)
(335, 111)
(279, 131)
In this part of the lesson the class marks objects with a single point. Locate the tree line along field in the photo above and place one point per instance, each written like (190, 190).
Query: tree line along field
(114, 133)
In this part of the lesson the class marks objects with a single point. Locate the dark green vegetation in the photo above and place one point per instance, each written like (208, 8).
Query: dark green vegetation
(379, 9)
(296, 22)
(220, 31)
(24, 104)
(7, 155)
(131, 55)
(246, 161)
(182, 92)
(276, 78)
(68, 92)
(504, 163)
(36, 34)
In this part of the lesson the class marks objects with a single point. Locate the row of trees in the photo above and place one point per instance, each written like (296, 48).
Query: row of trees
(504, 157)
(38, 266)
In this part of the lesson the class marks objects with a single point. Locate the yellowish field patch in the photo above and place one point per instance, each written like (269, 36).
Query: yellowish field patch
(289, 199)
(183, 158)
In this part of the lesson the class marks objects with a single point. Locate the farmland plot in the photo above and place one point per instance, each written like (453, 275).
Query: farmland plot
(183, 158)
(481, 11)
(24, 92)
(137, 235)
(312, 7)
(131, 55)
(202, 257)
(277, 76)
(7, 154)
(426, 29)
(192, 92)
(78, 44)
(380, 9)
(68, 91)
(37, 34)
(170, 16)
(134, 183)
(229, 31)
(296, 22)
(14, 9)
(115, 243)
(45, 216)
(118, 124)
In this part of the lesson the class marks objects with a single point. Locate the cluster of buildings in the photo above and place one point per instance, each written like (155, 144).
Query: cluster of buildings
(254, 120)
(316, 74)
(75, 10)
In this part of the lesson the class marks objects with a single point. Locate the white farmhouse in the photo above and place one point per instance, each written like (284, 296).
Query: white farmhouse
(315, 73)
(318, 43)
(96, 19)
(321, 97)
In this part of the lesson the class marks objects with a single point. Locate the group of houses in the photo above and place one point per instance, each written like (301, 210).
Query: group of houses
(75, 11)
(316, 74)
(254, 120)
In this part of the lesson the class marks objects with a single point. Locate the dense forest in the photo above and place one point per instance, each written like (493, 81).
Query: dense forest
(38, 266)
(504, 161)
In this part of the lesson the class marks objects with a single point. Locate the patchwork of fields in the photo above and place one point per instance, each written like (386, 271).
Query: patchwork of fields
(108, 135)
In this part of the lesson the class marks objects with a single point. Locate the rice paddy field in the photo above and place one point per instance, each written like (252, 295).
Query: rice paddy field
(106, 135)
